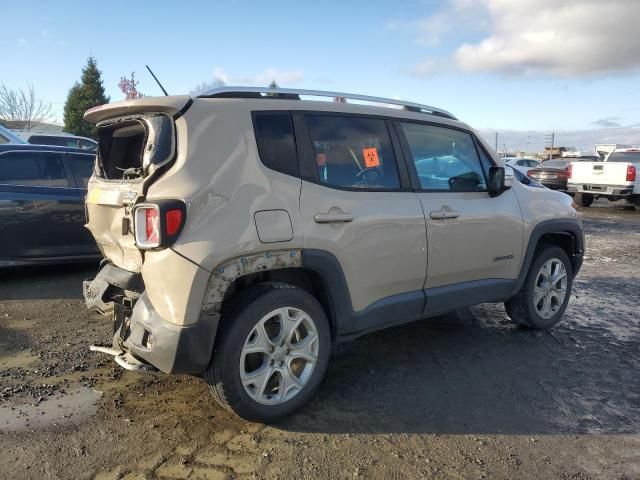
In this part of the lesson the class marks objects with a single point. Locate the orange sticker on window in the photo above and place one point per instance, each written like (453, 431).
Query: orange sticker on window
(321, 159)
(371, 159)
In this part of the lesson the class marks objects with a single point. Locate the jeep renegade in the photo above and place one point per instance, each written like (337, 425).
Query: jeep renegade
(247, 230)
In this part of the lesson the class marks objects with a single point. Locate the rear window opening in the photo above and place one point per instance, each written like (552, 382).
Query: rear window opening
(121, 149)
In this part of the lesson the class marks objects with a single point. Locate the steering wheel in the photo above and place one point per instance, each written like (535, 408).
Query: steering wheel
(362, 175)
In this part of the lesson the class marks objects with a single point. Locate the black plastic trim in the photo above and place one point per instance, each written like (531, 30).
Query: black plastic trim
(183, 110)
(562, 226)
(404, 307)
(121, 278)
(449, 297)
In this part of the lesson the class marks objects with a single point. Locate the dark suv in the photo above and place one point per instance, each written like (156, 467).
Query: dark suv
(42, 192)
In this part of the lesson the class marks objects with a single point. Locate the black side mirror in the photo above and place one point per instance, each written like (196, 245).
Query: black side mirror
(496, 181)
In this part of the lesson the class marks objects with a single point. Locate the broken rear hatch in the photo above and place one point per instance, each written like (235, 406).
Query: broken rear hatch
(136, 143)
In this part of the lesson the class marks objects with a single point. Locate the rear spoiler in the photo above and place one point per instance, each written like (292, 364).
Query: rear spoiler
(174, 105)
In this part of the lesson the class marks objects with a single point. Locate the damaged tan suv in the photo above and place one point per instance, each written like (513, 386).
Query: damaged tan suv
(247, 230)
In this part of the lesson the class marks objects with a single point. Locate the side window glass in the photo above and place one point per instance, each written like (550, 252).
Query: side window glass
(33, 169)
(87, 145)
(276, 142)
(444, 158)
(82, 168)
(353, 152)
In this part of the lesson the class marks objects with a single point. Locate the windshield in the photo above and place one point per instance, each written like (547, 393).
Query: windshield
(624, 157)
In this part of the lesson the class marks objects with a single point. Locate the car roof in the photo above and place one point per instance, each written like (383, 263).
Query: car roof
(59, 135)
(20, 147)
(11, 136)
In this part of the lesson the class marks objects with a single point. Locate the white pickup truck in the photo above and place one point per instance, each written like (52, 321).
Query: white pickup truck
(615, 178)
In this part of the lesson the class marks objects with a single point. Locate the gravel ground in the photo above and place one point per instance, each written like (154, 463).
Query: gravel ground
(465, 395)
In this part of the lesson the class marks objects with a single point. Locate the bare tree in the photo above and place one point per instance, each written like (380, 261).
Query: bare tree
(22, 109)
(207, 85)
(129, 86)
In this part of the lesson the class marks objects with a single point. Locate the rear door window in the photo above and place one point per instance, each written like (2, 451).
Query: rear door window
(276, 142)
(444, 158)
(82, 168)
(37, 169)
(353, 152)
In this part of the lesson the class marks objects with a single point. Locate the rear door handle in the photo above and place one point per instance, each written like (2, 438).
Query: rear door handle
(333, 217)
(444, 214)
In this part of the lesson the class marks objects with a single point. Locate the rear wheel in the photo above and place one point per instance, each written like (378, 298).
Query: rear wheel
(545, 294)
(584, 199)
(272, 353)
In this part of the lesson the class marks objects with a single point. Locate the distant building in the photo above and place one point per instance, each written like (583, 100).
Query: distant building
(555, 152)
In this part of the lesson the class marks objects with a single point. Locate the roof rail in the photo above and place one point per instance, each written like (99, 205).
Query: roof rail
(295, 94)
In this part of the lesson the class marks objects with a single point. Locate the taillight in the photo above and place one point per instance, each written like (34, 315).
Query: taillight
(174, 221)
(631, 173)
(569, 170)
(158, 224)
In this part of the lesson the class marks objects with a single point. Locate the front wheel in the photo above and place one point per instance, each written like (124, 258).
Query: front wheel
(272, 353)
(545, 293)
(584, 199)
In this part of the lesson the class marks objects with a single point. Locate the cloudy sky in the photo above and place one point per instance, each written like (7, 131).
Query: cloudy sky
(523, 67)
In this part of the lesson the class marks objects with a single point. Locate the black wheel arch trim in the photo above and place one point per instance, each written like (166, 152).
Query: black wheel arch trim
(556, 226)
(348, 323)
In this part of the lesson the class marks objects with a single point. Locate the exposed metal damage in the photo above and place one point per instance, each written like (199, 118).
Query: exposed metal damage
(235, 268)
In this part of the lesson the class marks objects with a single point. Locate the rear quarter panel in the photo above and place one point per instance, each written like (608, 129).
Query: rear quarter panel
(219, 175)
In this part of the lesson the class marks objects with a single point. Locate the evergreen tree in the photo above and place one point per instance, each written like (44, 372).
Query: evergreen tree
(273, 84)
(82, 96)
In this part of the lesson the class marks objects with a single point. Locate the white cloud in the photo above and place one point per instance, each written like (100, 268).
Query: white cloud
(456, 16)
(561, 37)
(426, 68)
(284, 78)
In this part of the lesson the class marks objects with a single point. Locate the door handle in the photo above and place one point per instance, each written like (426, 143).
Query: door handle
(333, 217)
(443, 214)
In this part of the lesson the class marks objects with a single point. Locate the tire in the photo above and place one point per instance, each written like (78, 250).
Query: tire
(522, 309)
(271, 396)
(584, 199)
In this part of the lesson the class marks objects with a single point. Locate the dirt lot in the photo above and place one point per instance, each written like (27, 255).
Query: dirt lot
(466, 395)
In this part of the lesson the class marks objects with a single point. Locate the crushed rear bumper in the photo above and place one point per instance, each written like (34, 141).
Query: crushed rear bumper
(141, 332)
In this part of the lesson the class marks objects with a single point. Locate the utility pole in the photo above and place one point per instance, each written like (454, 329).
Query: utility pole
(550, 139)
(496, 142)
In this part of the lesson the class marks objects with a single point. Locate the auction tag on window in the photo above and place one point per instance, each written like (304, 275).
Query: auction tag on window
(371, 159)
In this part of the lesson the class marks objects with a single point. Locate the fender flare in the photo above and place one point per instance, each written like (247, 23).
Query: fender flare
(562, 226)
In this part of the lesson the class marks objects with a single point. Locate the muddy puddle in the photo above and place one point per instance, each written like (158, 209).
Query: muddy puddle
(22, 358)
(72, 407)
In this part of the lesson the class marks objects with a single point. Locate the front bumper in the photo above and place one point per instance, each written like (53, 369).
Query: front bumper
(140, 331)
